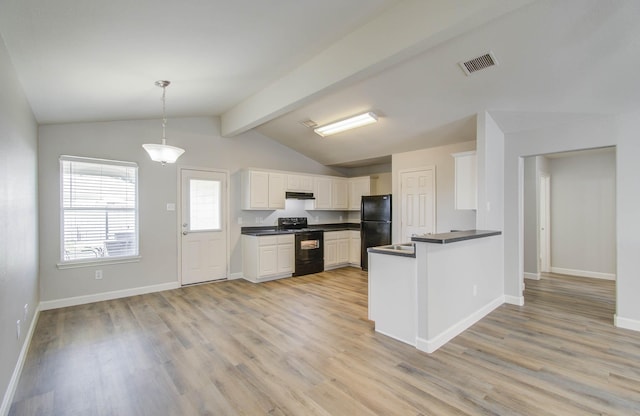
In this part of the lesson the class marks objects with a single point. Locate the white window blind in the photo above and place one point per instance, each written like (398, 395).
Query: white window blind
(99, 209)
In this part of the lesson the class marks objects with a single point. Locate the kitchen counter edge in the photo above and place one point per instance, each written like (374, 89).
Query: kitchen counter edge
(455, 236)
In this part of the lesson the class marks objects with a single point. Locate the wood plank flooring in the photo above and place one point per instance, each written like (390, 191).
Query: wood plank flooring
(304, 346)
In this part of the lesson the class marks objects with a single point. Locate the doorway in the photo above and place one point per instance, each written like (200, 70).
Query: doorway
(544, 224)
(203, 226)
(418, 202)
(576, 216)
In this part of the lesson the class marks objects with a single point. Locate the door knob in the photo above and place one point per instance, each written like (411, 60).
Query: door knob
(184, 233)
(184, 225)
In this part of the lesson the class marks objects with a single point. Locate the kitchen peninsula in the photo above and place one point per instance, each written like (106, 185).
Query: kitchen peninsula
(427, 292)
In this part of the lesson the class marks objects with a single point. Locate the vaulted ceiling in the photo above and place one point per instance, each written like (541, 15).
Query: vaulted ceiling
(270, 66)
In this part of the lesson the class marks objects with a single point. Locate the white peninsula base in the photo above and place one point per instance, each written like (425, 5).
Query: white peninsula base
(450, 284)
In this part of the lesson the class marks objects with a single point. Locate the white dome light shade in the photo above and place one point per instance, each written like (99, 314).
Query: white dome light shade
(163, 153)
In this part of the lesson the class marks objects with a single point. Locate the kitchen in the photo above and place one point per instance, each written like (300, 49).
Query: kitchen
(501, 139)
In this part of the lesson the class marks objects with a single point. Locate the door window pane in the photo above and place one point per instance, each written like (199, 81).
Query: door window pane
(204, 205)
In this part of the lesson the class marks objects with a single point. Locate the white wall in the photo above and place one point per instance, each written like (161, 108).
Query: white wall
(447, 218)
(381, 183)
(534, 168)
(157, 186)
(530, 206)
(18, 220)
(583, 217)
(621, 131)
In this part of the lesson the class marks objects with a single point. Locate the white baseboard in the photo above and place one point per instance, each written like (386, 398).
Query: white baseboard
(235, 276)
(533, 276)
(584, 273)
(17, 371)
(116, 294)
(431, 345)
(514, 300)
(626, 323)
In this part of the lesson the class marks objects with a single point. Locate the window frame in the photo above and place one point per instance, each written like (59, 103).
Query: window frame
(64, 264)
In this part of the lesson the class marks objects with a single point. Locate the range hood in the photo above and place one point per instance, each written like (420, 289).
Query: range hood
(299, 195)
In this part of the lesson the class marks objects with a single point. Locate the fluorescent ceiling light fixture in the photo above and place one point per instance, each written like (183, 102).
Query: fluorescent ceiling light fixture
(163, 153)
(346, 124)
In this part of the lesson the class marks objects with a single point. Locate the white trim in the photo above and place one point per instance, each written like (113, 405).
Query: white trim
(514, 300)
(626, 323)
(235, 276)
(532, 276)
(583, 273)
(431, 345)
(97, 297)
(98, 160)
(98, 262)
(269, 278)
(17, 371)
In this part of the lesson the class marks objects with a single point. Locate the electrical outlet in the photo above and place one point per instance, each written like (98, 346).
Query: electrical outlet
(26, 312)
(316, 218)
(340, 218)
(98, 274)
(475, 290)
(239, 220)
(18, 329)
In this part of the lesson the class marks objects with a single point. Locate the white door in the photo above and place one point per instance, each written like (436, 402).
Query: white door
(545, 224)
(417, 203)
(204, 226)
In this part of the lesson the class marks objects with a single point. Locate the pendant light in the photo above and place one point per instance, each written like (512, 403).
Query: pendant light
(163, 153)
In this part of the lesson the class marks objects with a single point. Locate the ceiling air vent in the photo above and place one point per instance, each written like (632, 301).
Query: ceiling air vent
(476, 64)
(309, 123)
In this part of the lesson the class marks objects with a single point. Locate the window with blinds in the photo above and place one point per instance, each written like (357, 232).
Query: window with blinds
(99, 209)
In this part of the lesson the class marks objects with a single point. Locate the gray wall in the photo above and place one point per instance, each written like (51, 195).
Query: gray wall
(583, 218)
(18, 217)
(157, 186)
(447, 218)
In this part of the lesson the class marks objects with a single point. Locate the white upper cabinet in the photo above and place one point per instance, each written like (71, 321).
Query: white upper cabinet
(465, 180)
(276, 190)
(265, 190)
(299, 183)
(262, 190)
(358, 187)
(322, 192)
(340, 193)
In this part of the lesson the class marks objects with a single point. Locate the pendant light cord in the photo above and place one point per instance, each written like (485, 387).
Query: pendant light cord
(164, 115)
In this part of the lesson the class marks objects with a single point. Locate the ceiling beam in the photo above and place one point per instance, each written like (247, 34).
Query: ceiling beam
(404, 30)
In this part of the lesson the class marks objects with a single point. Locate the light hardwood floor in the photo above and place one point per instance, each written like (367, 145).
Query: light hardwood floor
(304, 346)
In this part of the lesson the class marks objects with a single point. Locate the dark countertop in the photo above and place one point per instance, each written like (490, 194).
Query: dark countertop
(273, 230)
(402, 250)
(454, 236)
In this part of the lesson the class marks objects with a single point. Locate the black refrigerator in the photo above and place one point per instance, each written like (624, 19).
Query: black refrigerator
(375, 224)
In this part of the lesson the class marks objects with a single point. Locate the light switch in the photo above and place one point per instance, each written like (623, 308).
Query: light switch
(171, 206)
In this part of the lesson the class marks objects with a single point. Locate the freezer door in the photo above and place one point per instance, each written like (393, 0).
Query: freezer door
(373, 234)
(376, 208)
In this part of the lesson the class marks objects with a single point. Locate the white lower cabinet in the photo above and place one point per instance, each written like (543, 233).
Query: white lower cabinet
(267, 257)
(336, 249)
(354, 248)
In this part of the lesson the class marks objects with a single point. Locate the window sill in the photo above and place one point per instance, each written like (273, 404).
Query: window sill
(92, 263)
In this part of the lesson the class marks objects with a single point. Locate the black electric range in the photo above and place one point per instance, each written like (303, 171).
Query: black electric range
(309, 245)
